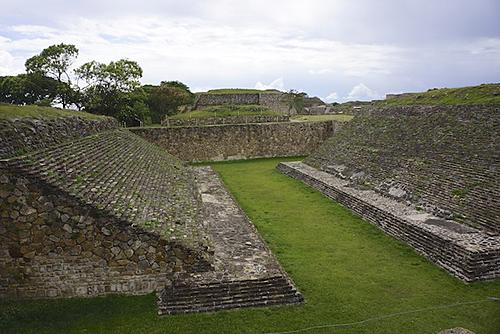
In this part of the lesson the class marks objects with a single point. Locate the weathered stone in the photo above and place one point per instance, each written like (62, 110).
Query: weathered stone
(67, 228)
(105, 231)
(129, 252)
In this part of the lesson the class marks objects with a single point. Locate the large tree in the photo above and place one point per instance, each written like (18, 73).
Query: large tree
(55, 62)
(28, 89)
(166, 99)
(109, 85)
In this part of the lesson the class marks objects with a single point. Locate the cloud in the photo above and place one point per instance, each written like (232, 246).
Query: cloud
(7, 63)
(276, 84)
(332, 97)
(313, 46)
(361, 92)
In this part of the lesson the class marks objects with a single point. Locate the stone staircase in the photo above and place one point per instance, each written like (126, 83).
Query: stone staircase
(216, 296)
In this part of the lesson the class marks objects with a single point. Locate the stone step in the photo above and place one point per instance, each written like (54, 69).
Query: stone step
(231, 303)
(228, 295)
(225, 295)
(186, 290)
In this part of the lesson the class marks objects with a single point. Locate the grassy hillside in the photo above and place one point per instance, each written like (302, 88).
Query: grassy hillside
(482, 94)
(11, 111)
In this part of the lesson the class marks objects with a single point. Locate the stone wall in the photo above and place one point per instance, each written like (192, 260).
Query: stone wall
(53, 246)
(464, 252)
(240, 141)
(24, 135)
(273, 101)
(207, 100)
(201, 121)
(443, 159)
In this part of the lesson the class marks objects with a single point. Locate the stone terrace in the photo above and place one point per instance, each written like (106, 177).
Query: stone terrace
(125, 176)
(466, 252)
(245, 274)
(444, 159)
(94, 211)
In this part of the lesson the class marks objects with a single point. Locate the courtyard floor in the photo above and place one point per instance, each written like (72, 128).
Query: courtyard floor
(347, 270)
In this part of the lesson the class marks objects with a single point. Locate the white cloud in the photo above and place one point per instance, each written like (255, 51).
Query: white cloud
(332, 97)
(313, 45)
(361, 92)
(7, 63)
(278, 84)
(201, 52)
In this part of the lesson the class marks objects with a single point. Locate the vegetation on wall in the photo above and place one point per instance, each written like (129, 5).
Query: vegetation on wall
(482, 94)
(11, 111)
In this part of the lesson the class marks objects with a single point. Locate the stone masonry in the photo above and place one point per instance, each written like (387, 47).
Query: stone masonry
(88, 215)
(202, 121)
(272, 100)
(443, 159)
(240, 141)
(465, 252)
(246, 274)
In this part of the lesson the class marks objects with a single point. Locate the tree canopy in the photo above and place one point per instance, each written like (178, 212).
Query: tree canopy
(111, 89)
(54, 62)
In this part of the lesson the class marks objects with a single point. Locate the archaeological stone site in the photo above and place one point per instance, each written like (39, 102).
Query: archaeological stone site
(230, 206)
(250, 167)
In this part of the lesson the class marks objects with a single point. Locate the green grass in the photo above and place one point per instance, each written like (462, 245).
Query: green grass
(228, 111)
(347, 269)
(321, 118)
(12, 111)
(482, 94)
(239, 91)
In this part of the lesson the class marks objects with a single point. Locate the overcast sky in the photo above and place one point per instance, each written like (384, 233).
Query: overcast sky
(337, 50)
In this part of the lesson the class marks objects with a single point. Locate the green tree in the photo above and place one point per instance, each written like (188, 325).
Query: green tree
(109, 86)
(166, 99)
(28, 89)
(54, 62)
(177, 84)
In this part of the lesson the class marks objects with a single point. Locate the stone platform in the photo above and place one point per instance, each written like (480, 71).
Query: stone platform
(465, 252)
(246, 274)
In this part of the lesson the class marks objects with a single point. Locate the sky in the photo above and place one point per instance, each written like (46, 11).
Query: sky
(339, 50)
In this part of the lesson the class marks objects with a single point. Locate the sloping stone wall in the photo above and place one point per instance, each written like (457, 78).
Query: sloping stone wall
(240, 141)
(465, 252)
(53, 246)
(443, 159)
(25, 135)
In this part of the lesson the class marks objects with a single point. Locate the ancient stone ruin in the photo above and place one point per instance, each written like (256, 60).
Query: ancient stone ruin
(89, 209)
(425, 175)
(272, 100)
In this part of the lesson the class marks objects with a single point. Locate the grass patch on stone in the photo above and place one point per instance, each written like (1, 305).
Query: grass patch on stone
(321, 118)
(228, 111)
(12, 111)
(482, 94)
(347, 269)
